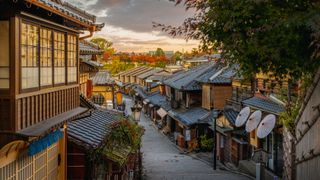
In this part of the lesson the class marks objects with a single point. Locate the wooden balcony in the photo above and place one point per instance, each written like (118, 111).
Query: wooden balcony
(32, 108)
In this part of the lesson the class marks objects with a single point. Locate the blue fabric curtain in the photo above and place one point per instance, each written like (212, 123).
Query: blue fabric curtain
(40, 145)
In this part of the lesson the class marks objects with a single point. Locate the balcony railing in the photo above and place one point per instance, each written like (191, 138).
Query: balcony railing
(36, 107)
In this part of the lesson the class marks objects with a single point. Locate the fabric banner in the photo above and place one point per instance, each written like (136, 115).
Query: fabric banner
(41, 144)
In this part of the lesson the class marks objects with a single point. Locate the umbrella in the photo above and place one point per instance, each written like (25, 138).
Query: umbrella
(266, 126)
(253, 121)
(242, 116)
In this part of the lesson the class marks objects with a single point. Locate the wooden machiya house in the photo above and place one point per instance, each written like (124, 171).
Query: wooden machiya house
(187, 120)
(89, 66)
(39, 85)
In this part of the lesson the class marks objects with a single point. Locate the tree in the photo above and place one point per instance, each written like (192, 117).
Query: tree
(177, 56)
(102, 43)
(159, 52)
(282, 37)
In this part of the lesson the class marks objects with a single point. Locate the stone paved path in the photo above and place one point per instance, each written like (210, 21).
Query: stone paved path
(163, 161)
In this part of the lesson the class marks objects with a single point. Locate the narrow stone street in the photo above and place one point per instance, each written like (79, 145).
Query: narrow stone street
(163, 161)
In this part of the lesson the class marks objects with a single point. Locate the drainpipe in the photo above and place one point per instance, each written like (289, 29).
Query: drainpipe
(91, 30)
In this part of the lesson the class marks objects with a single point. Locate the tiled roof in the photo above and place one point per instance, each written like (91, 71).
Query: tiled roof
(89, 48)
(102, 78)
(137, 71)
(187, 80)
(264, 105)
(159, 100)
(149, 73)
(92, 130)
(190, 116)
(68, 10)
(231, 115)
(219, 75)
(86, 103)
(92, 63)
(125, 73)
(140, 91)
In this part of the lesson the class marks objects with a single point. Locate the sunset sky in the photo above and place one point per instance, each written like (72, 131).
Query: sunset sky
(129, 23)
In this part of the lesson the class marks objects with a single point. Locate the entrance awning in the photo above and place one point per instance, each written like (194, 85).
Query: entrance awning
(162, 112)
(45, 126)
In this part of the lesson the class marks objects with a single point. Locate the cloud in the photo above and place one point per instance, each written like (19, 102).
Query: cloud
(129, 23)
(128, 40)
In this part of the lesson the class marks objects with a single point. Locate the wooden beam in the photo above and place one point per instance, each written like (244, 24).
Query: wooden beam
(41, 5)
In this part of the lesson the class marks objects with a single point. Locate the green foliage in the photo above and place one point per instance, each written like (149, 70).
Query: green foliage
(117, 66)
(102, 43)
(206, 144)
(293, 106)
(159, 52)
(125, 133)
(282, 37)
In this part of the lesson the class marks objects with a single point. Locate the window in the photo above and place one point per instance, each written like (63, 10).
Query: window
(98, 99)
(59, 58)
(72, 58)
(4, 55)
(29, 56)
(46, 57)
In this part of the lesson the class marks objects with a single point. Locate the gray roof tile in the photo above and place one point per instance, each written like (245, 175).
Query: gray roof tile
(187, 80)
(231, 115)
(190, 116)
(159, 100)
(92, 130)
(264, 105)
(70, 10)
(149, 73)
(102, 78)
(89, 48)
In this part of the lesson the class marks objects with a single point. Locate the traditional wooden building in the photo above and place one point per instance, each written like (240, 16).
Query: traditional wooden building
(39, 85)
(89, 66)
(188, 120)
(217, 89)
(104, 89)
(88, 154)
(271, 146)
(142, 77)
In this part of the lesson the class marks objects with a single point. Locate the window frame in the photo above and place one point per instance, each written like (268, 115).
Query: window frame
(53, 29)
(76, 58)
(52, 55)
(20, 58)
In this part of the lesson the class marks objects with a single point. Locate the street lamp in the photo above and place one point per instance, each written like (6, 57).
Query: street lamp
(136, 111)
(215, 114)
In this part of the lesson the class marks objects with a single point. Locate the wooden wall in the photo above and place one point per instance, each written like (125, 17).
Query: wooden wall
(32, 108)
(206, 96)
(76, 167)
(307, 126)
(220, 94)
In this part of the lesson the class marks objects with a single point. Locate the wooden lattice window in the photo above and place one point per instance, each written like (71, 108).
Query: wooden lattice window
(8, 172)
(44, 165)
(72, 58)
(29, 56)
(59, 58)
(98, 99)
(4, 55)
(25, 167)
(46, 57)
